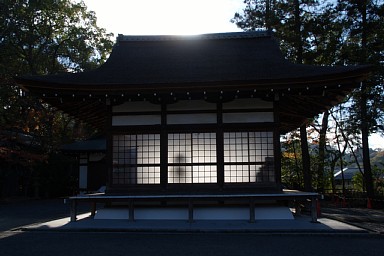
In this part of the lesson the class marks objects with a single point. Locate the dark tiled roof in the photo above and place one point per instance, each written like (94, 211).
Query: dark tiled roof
(349, 172)
(160, 62)
(92, 145)
(217, 36)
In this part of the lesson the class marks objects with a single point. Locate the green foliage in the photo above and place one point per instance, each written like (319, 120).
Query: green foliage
(363, 26)
(291, 164)
(292, 167)
(378, 177)
(296, 37)
(47, 36)
(40, 37)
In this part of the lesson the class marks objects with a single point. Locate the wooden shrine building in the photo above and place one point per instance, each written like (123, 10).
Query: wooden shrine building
(196, 115)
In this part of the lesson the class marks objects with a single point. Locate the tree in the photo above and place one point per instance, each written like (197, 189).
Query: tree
(285, 18)
(291, 161)
(40, 37)
(326, 32)
(47, 36)
(44, 37)
(363, 26)
(299, 46)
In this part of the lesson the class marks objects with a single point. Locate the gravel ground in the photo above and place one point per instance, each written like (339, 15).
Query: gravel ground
(369, 219)
(23, 211)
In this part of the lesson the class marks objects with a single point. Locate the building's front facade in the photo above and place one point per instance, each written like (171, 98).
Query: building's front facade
(199, 114)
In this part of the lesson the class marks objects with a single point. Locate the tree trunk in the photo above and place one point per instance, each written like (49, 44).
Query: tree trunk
(306, 160)
(303, 128)
(364, 137)
(297, 167)
(322, 144)
(332, 175)
(299, 40)
(268, 15)
(363, 106)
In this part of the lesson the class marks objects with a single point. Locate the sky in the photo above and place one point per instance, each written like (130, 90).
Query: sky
(173, 17)
(165, 17)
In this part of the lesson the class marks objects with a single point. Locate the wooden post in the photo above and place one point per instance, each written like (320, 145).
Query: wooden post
(251, 210)
(314, 209)
(131, 210)
(73, 210)
(190, 211)
(93, 209)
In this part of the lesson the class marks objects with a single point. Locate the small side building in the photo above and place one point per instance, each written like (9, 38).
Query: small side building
(91, 159)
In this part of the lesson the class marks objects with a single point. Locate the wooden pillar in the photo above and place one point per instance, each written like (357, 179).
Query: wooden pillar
(73, 210)
(276, 141)
(220, 146)
(314, 209)
(190, 210)
(93, 208)
(251, 210)
(164, 148)
(109, 145)
(131, 210)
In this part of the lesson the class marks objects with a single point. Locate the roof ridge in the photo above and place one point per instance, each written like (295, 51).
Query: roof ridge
(226, 35)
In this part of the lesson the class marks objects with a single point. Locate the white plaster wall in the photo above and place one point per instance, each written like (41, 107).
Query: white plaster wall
(136, 106)
(136, 120)
(209, 118)
(253, 117)
(248, 104)
(191, 105)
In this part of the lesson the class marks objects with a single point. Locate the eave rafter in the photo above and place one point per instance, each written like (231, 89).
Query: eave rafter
(90, 112)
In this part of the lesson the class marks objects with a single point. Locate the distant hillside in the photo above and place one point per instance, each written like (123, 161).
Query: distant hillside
(377, 158)
(376, 155)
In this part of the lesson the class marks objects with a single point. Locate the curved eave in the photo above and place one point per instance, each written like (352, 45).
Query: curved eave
(300, 98)
(36, 85)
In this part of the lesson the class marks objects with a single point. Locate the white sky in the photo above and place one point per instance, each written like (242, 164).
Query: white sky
(165, 17)
(376, 141)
